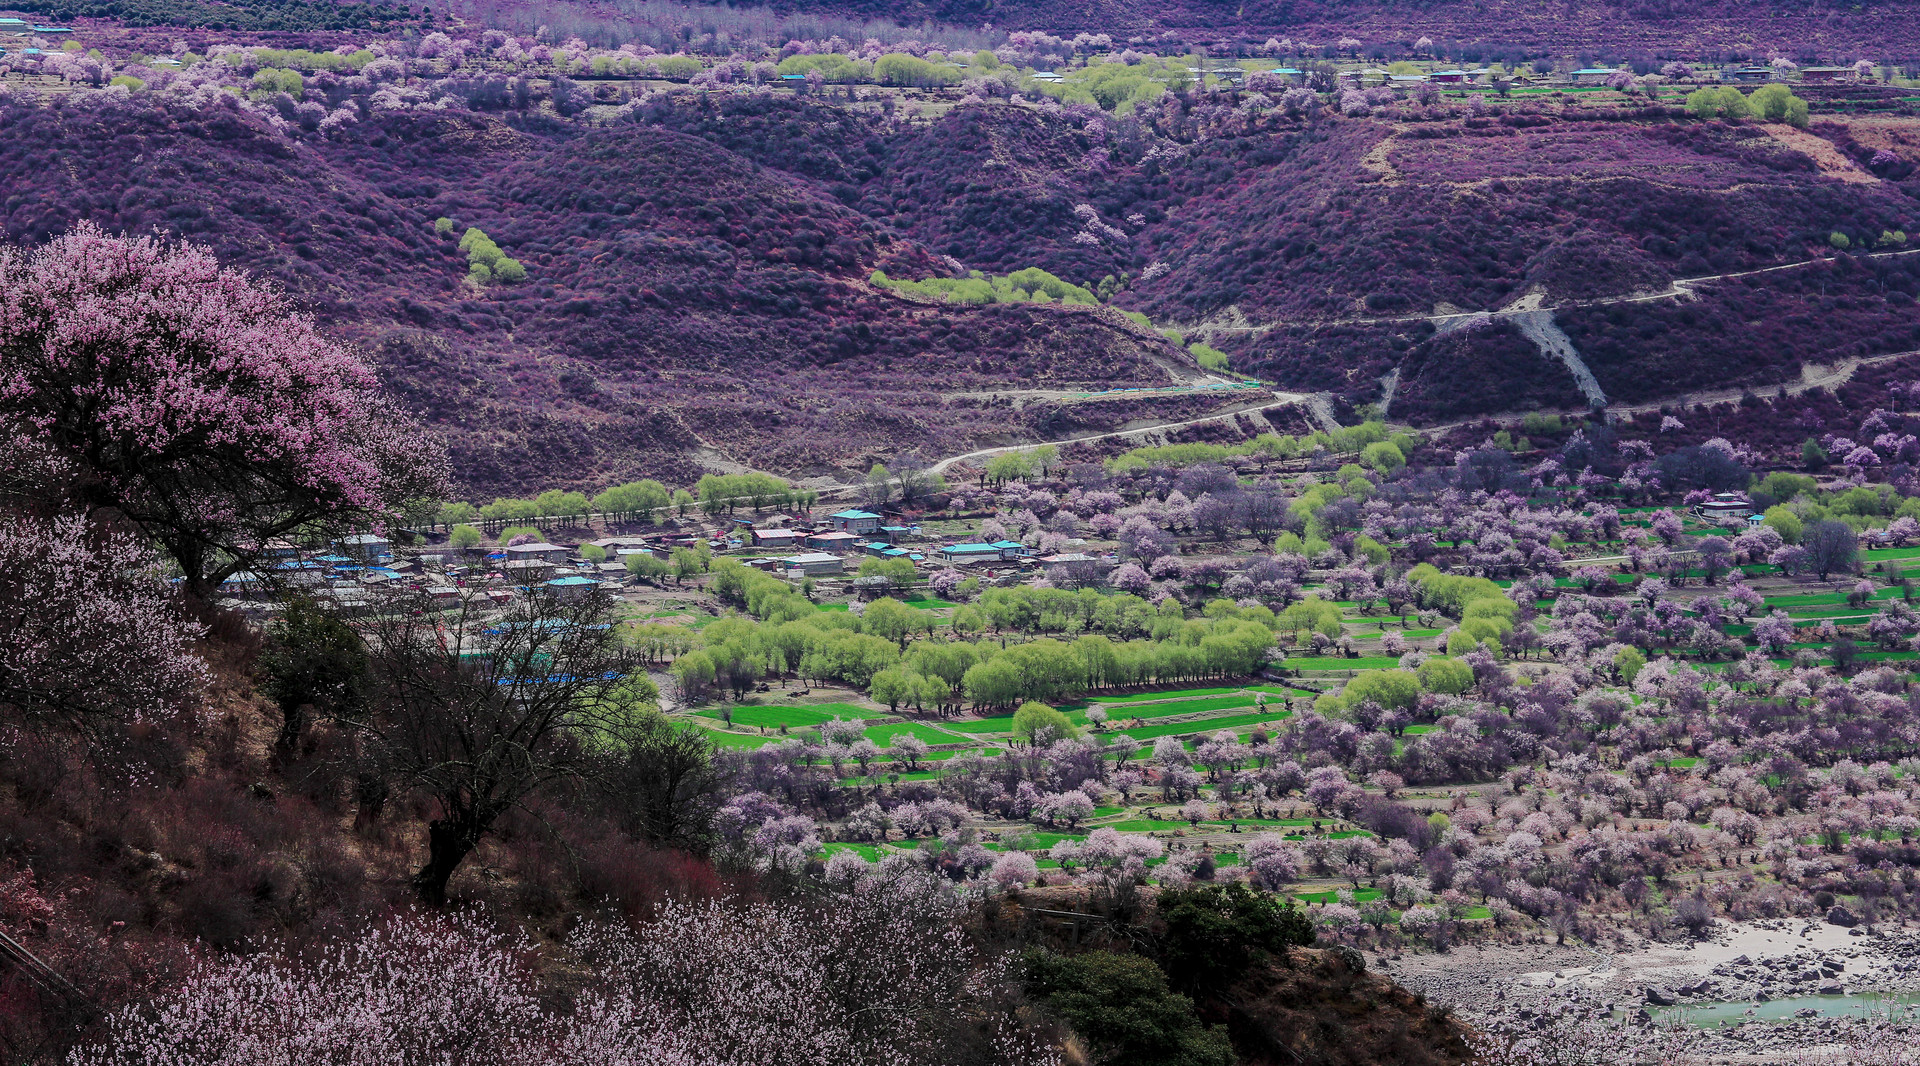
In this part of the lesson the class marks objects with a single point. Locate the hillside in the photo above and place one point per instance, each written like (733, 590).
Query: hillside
(672, 284)
(702, 290)
(1743, 26)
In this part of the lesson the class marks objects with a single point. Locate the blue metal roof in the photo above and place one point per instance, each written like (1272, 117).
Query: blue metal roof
(854, 514)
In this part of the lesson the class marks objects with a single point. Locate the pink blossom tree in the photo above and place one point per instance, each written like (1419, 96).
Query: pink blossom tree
(192, 402)
(88, 631)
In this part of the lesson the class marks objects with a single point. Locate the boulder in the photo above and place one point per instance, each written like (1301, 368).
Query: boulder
(1659, 997)
(1838, 915)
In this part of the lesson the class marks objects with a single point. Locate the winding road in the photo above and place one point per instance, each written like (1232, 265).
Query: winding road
(1678, 288)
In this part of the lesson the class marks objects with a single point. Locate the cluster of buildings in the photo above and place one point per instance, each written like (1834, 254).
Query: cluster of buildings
(17, 35)
(352, 570)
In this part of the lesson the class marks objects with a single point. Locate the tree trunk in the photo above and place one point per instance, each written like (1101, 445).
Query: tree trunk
(293, 725)
(447, 845)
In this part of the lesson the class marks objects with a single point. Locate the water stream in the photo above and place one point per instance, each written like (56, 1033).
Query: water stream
(1858, 1005)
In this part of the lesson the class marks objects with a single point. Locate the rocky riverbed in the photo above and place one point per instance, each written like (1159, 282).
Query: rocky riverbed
(1764, 991)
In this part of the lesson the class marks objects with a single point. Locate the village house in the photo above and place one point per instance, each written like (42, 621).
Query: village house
(552, 553)
(978, 552)
(1725, 505)
(775, 538)
(813, 563)
(854, 521)
(832, 542)
(571, 587)
(527, 571)
(364, 547)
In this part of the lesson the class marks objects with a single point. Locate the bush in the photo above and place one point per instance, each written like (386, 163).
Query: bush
(1121, 1006)
(1215, 933)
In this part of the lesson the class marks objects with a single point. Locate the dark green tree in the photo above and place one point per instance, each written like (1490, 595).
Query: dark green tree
(1121, 1006)
(1213, 934)
(314, 666)
(662, 781)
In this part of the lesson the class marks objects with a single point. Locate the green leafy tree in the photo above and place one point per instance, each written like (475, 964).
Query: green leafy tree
(1037, 723)
(1628, 661)
(899, 572)
(1776, 103)
(1446, 676)
(648, 567)
(659, 778)
(1214, 934)
(314, 666)
(1122, 1007)
(465, 538)
(1813, 455)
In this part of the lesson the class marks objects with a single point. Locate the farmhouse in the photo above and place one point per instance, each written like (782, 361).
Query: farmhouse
(1825, 74)
(552, 553)
(775, 538)
(1747, 74)
(832, 542)
(365, 547)
(1726, 505)
(527, 571)
(571, 587)
(1451, 77)
(813, 563)
(853, 521)
(977, 552)
(1591, 75)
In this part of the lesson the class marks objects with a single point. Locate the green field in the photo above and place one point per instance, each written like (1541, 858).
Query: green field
(794, 715)
(1874, 555)
(1162, 710)
(942, 756)
(737, 740)
(1822, 599)
(869, 852)
(1329, 662)
(928, 603)
(884, 734)
(1179, 694)
(1361, 896)
(1203, 725)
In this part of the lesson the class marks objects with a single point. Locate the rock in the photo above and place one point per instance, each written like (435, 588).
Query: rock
(1833, 988)
(1856, 932)
(1838, 915)
(1739, 960)
(1659, 997)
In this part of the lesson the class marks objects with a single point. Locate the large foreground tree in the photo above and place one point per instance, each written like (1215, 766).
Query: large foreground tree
(142, 381)
(480, 711)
